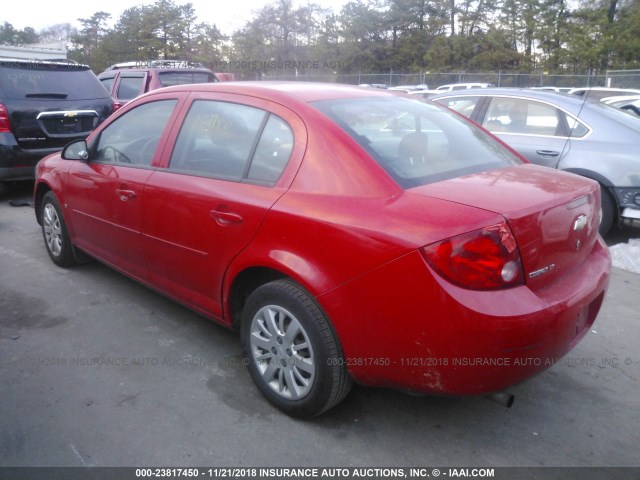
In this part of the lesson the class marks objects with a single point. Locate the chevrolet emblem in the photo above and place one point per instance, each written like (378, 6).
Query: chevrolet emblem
(580, 223)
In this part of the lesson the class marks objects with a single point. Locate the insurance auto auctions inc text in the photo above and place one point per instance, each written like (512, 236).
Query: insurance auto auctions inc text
(355, 472)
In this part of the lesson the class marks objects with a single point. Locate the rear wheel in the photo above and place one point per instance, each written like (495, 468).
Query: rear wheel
(292, 352)
(54, 231)
(608, 211)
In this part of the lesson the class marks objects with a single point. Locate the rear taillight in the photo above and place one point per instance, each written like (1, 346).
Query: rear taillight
(5, 124)
(485, 259)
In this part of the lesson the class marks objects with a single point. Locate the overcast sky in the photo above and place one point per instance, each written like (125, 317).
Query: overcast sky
(228, 15)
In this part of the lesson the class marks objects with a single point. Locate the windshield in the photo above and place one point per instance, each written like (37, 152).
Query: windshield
(415, 142)
(168, 79)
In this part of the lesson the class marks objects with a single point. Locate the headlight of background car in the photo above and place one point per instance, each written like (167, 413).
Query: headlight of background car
(628, 196)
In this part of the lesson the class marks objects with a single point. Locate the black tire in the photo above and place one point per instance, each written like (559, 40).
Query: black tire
(608, 209)
(295, 359)
(54, 232)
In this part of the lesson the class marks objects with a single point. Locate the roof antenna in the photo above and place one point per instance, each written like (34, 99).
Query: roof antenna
(575, 123)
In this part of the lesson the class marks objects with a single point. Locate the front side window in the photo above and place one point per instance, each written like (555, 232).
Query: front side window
(417, 143)
(234, 142)
(133, 138)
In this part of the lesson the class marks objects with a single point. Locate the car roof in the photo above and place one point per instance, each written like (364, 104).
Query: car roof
(124, 71)
(277, 90)
(603, 89)
(589, 112)
(620, 98)
(32, 63)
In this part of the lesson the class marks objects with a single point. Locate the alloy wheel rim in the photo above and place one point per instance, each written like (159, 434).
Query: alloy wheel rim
(282, 352)
(52, 230)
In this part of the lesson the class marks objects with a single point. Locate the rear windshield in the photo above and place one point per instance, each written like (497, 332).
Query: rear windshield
(168, 79)
(417, 143)
(34, 80)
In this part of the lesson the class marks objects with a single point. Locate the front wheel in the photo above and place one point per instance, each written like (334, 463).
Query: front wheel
(292, 352)
(54, 231)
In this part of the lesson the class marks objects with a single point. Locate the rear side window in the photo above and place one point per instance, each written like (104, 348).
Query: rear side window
(33, 80)
(232, 142)
(463, 105)
(415, 142)
(130, 86)
(107, 83)
(273, 151)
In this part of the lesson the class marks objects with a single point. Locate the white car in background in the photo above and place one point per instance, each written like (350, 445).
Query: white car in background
(598, 93)
(628, 103)
(462, 86)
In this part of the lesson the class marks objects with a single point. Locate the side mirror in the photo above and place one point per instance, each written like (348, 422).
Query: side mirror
(76, 151)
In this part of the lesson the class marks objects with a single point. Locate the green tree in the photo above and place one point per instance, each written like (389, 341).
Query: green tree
(88, 40)
(553, 34)
(10, 36)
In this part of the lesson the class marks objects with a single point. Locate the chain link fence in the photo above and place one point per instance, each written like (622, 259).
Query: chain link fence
(433, 80)
(623, 79)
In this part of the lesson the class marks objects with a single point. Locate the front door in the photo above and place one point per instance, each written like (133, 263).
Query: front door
(105, 194)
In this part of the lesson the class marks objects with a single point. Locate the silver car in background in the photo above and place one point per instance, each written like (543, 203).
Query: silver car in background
(565, 132)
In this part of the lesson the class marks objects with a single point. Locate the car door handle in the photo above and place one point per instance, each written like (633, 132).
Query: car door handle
(226, 218)
(125, 195)
(548, 153)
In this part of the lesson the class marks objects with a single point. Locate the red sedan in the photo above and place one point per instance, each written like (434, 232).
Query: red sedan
(347, 234)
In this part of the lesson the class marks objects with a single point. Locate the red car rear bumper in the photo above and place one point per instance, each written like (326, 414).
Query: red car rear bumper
(424, 334)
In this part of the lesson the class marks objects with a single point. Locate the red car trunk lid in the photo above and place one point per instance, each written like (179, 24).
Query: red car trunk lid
(554, 215)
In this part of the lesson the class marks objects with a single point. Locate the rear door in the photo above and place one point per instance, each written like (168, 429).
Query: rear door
(218, 183)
